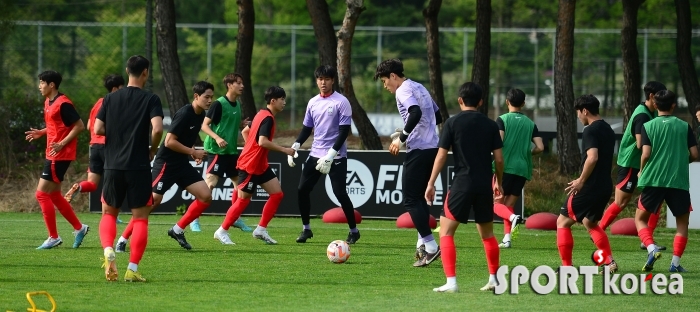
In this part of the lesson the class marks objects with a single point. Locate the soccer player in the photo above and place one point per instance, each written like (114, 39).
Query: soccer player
(97, 143)
(124, 120)
(253, 168)
(517, 131)
(589, 194)
(668, 145)
(222, 124)
(329, 116)
(172, 164)
(62, 127)
(629, 156)
(420, 115)
(472, 136)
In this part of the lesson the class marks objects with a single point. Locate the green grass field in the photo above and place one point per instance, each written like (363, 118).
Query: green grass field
(251, 276)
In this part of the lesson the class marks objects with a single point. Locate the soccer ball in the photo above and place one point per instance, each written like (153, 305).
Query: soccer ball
(338, 251)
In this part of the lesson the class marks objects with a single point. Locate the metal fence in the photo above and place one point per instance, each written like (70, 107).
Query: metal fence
(286, 55)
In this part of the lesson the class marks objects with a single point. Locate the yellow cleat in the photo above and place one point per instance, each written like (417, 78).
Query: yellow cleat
(74, 190)
(132, 276)
(109, 265)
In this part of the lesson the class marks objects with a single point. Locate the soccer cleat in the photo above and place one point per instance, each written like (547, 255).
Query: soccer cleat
(489, 286)
(223, 237)
(447, 288)
(51, 243)
(194, 226)
(180, 238)
(504, 244)
(264, 236)
(427, 258)
(420, 251)
(677, 269)
(304, 235)
(109, 265)
(132, 276)
(651, 258)
(659, 247)
(239, 224)
(612, 266)
(80, 235)
(515, 226)
(121, 246)
(353, 237)
(74, 191)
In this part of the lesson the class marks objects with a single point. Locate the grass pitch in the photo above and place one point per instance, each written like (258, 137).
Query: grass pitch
(251, 276)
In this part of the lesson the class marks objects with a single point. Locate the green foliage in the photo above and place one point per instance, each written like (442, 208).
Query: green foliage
(180, 210)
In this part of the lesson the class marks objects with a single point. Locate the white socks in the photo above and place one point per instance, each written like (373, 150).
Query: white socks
(431, 247)
(676, 261)
(133, 266)
(506, 238)
(451, 281)
(177, 229)
(651, 248)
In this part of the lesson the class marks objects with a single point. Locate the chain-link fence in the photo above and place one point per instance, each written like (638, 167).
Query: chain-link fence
(287, 56)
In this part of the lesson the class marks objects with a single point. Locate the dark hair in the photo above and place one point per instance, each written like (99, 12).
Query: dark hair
(113, 81)
(202, 86)
(274, 92)
(325, 71)
(470, 92)
(588, 102)
(136, 65)
(50, 76)
(516, 97)
(652, 87)
(231, 78)
(387, 67)
(664, 100)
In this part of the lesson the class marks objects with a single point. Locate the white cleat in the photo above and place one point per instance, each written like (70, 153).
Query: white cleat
(223, 237)
(490, 286)
(505, 244)
(446, 288)
(264, 236)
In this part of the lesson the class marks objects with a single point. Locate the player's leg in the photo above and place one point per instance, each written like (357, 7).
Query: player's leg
(245, 192)
(454, 208)
(338, 174)
(59, 168)
(626, 183)
(512, 188)
(113, 194)
(95, 170)
(651, 224)
(141, 202)
(271, 185)
(202, 200)
(414, 184)
(45, 187)
(678, 202)
(483, 217)
(600, 239)
(231, 161)
(309, 178)
(649, 202)
(565, 240)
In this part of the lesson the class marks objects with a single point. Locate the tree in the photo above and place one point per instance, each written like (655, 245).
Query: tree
(166, 41)
(630, 57)
(325, 35)
(244, 53)
(482, 50)
(430, 14)
(686, 67)
(368, 134)
(567, 138)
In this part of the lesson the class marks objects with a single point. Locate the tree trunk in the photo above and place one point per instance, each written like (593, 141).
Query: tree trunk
(630, 58)
(325, 35)
(482, 50)
(567, 139)
(430, 14)
(689, 77)
(244, 54)
(166, 41)
(368, 134)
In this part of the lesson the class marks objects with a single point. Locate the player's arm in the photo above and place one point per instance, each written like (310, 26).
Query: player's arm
(264, 133)
(173, 144)
(156, 114)
(344, 121)
(213, 117)
(692, 145)
(308, 126)
(501, 127)
(444, 145)
(414, 115)
(99, 125)
(71, 119)
(646, 150)
(589, 165)
(637, 126)
(438, 116)
(537, 139)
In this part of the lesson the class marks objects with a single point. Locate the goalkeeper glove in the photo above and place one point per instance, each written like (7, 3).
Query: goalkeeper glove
(324, 163)
(290, 159)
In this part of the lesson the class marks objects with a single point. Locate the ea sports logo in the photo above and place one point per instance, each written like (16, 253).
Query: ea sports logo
(169, 194)
(359, 183)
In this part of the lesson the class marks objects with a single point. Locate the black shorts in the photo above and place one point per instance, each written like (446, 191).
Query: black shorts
(310, 176)
(417, 168)
(459, 204)
(249, 181)
(512, 184)
(132, 185)
(588, 203)
(164, 175)
(222, 164)
(97, 159)
(55, 170)
(627, 179)
(677, 200)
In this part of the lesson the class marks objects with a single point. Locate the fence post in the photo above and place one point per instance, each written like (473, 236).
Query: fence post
(209, 50)
(378, 105)
(149, 42)
(124, 36)
(292, 117)
(465, 53)
(39, 56)
(646, 50)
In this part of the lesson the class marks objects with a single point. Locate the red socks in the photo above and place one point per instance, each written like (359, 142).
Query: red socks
(504, 212)
(653, 221)
(565, 242)
(66, 210)
(270, 208)
(193, 212)
(129, 229)
(610, 215)
(448, 253)
(600, 239)
(492, 253)
(679, 243)
(48, 211)
(234, 195)
(646, 236)
(108, 230)
(235, 211)
(87, 187)
(139, 241)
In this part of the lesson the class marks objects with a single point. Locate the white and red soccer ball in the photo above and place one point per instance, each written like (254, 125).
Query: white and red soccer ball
(338, 251)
